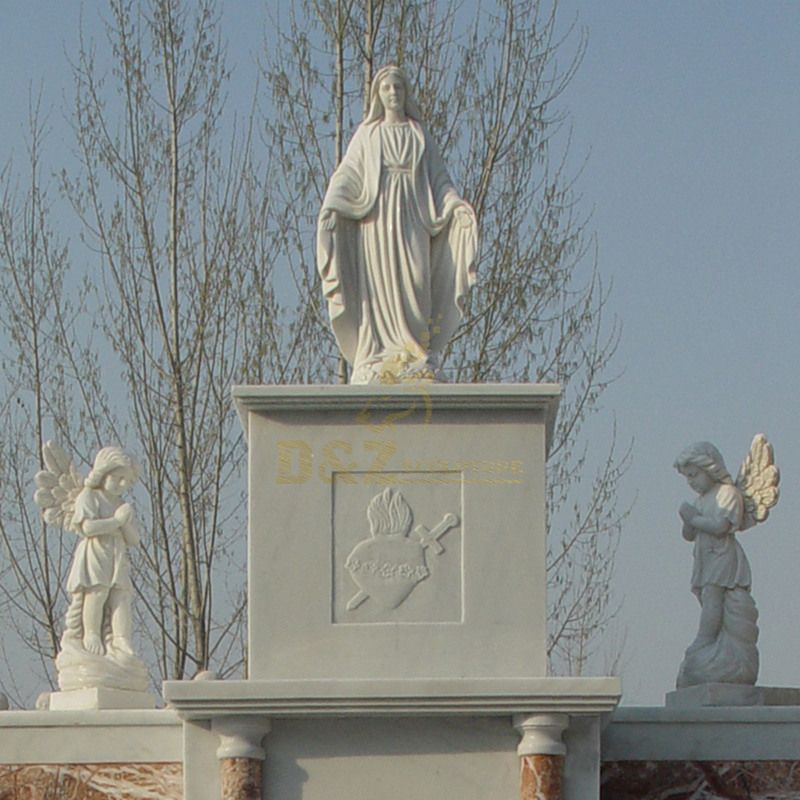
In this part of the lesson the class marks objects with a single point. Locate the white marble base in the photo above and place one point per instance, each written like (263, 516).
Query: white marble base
(132, 736)
(393, 739)
(397, 531)
(100, 699)
(702, 733)
(732, 694)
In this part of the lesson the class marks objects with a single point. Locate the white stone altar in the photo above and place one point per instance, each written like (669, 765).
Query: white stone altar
(456, 591)
(396, 596)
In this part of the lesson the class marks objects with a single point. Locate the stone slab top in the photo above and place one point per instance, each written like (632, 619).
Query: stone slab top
(731, 694)
(141, 736)
(702, 733)
(660, 715)
(541, 397)
(390, 698)
(24, 718)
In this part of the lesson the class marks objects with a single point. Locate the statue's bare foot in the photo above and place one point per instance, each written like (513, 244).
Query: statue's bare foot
(123, 644)
(93, 644)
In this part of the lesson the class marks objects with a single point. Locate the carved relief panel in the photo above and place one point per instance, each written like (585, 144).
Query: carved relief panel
(397, 547)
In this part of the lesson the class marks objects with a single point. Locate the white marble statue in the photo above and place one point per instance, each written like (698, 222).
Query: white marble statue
(724, 650)
(396, 244)
(96, 647)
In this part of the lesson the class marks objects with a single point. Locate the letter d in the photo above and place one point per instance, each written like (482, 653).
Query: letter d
(294, 461)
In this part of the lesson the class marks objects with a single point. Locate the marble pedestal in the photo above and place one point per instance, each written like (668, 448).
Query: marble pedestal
(397, 532)
(396, 602)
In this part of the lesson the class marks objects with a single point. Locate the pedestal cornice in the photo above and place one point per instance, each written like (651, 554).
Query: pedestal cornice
(535, 397)
(475, 697)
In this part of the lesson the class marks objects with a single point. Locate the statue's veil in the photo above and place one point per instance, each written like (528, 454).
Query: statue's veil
(376, 111)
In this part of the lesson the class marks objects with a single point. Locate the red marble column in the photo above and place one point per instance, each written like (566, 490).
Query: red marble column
(540, 777)
(240, 778)
(541, 751)
(241, 756)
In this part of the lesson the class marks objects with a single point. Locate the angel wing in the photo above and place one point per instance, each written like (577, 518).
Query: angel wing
(758, 481)
(57, 486)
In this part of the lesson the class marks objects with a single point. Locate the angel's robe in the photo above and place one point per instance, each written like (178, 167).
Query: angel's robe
(398, 264)
(719, 558)
(99, 560)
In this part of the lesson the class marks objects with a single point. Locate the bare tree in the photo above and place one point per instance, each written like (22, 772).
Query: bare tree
(173, 212)
(40, 398)
(177, 304)
(186, 231)
(490, 88)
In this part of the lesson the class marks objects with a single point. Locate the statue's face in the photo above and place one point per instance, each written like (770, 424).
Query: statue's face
(392, 92)
(118, 481)
(699, 480)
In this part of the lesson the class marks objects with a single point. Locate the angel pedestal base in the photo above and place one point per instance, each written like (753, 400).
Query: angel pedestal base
(732, 694)
(100, 699)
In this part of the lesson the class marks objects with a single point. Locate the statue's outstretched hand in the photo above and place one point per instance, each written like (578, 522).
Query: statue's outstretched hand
(463, 216)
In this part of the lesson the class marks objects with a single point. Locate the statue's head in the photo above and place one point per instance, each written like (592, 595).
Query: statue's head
(108, 460)
(704, 456)
(386, 76)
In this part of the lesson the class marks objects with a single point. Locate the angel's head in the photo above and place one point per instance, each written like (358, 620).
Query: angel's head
(702, 466)
(113, 470)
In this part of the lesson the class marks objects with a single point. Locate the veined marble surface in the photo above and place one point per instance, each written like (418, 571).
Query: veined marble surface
(700, 780)
(92, 781)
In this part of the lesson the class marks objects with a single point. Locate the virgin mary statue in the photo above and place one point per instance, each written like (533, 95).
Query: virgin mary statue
(396, 244)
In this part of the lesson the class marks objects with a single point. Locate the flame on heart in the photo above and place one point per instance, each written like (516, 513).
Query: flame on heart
(389, 514)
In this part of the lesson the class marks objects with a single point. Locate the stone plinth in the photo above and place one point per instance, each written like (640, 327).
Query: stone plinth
(709, 752)
(99, 699)
(745, 733)
(732, 694)
(397, 532)
(103, 755)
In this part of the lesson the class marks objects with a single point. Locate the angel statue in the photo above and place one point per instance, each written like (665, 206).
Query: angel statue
(96, 647)
(724, 650)
(396, 243)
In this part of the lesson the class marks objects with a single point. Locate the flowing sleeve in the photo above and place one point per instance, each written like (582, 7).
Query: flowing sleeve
(351, 189)
(454, 248)
(351, 194)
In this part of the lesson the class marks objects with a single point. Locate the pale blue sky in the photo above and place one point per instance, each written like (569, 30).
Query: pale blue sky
(690, 112)
(689, 115)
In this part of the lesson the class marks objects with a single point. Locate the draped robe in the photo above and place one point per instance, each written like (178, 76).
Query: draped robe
(398, 264)
(100, 560)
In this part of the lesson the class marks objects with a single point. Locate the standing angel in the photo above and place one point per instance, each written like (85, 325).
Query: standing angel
(396, 244)
(96, 647)
(724, 650)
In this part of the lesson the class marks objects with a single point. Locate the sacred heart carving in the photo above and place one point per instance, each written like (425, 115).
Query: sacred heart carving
(387, 566)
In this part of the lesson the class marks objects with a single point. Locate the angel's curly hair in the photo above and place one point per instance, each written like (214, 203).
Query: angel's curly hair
(705, 456)
(108, 459)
